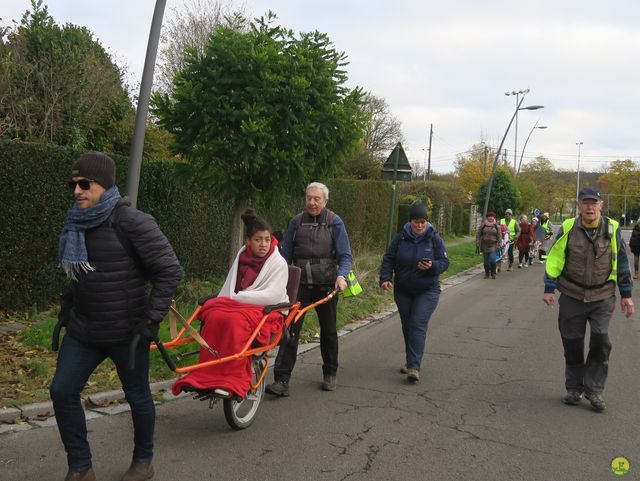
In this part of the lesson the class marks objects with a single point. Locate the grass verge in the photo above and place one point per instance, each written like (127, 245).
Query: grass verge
(29, 363)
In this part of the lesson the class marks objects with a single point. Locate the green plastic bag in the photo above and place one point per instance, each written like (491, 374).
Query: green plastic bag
(353, 286)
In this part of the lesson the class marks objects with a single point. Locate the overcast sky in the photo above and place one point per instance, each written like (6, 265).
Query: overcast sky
(450, 64)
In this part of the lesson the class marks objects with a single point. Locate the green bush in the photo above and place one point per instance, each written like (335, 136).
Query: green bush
(36, 199)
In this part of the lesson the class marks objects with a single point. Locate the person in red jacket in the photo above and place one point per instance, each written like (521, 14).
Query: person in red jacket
(524, 241)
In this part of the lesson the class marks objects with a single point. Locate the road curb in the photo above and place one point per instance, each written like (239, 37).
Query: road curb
(110, 403)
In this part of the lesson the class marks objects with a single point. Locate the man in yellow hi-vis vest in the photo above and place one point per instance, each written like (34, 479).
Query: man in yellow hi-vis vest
(512, 226)
(585, 263)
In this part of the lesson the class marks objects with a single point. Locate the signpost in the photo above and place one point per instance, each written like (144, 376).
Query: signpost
(397, 167)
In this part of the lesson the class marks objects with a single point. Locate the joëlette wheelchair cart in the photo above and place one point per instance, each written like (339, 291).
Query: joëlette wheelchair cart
(239, 412)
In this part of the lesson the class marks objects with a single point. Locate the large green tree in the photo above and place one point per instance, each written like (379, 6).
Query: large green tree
(504, 194)
(262, 112)
(59, 85)
(621, 186)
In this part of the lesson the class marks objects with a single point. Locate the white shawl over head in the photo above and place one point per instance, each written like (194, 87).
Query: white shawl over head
(269, 288)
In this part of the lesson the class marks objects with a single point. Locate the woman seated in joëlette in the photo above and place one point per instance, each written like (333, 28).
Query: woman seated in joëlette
(257, 278)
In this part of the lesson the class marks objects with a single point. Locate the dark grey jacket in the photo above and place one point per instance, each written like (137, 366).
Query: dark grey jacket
(103, 306)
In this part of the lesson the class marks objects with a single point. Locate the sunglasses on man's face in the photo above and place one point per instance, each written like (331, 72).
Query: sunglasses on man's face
(85, 184)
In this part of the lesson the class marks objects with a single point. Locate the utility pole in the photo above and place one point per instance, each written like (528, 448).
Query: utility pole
(484, 166)
(429, 162)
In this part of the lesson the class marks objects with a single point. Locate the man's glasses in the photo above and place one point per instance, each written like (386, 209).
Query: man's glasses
(85, 184)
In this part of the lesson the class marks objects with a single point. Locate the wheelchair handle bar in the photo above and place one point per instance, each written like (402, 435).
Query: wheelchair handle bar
(134, 345)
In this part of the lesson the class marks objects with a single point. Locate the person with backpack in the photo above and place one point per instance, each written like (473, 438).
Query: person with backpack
(412, 266)
(488, 239)
(634, 246)
(109, 252)
(316, 241)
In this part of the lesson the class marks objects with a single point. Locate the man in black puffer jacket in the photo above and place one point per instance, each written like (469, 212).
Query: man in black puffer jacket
(109, 251)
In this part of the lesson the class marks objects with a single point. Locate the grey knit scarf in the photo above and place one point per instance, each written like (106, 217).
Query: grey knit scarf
(72, 250)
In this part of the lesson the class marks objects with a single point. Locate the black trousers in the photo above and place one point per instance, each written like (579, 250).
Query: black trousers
(588, 375)
(288, 352)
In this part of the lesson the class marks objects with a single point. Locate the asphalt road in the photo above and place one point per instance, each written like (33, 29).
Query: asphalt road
(488, 408)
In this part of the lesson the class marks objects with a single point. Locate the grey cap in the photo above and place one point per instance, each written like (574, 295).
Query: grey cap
(508, 211)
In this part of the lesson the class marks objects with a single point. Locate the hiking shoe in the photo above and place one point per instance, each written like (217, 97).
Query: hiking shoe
(597, 403)
(329, 383)
(404, 370)
(413, 375)
(87, 475)
(572, 398)
(138, 472)
(278, 388)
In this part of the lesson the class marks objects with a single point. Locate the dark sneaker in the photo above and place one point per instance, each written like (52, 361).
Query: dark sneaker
(138, 472)
(413, 375)
(278, 388)
(597, 403)
(88, 475)
(572, 398)
(329, 383)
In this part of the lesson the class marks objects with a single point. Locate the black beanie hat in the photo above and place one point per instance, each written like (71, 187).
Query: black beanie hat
(417, 211)
(96, 166)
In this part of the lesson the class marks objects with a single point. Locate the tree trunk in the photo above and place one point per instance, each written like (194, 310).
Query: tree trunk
(237, 230)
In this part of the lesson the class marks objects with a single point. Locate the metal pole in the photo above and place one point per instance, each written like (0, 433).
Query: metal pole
(392, 201)
(495, 161)
(429, 163)
(137, 144)
(484, 166)
(526, 142)
(515, 141)
(579, 144)
(424, 174)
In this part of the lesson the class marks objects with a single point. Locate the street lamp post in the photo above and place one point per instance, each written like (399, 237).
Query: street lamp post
(495, 159)
(579, 144)
(137, 143)
(515, 143)
(535, 126)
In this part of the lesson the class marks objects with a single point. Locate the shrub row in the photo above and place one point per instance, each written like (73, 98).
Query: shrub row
(35, 199)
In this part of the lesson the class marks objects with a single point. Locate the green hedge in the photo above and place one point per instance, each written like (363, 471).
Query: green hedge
(35, 200)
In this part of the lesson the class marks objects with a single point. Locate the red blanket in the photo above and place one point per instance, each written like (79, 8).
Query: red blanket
(228, 325)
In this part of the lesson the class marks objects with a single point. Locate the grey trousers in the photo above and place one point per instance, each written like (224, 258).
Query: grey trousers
(589, 375)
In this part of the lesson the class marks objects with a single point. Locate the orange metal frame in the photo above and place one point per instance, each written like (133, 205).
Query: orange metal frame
(293, 316)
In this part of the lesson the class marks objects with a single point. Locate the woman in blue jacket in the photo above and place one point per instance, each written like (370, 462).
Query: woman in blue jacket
(415, 259)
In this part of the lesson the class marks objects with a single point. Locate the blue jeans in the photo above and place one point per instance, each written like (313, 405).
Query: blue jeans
(489, 261)
(415, 310)
(76, 362)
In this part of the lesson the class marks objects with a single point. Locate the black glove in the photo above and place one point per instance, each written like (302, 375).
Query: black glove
(147, 329)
